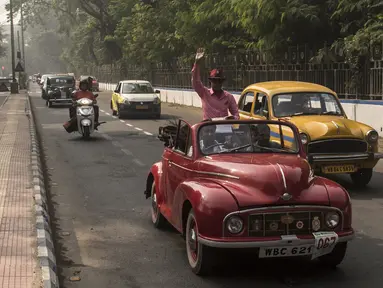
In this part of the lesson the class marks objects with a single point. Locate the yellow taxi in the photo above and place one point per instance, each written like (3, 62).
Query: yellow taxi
(334, 143)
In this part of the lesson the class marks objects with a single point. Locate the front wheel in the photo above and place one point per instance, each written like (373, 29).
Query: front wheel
(86, 132)
(158, 219)
(335, 257)
(362, 177)
(49, 104)
(200, 257)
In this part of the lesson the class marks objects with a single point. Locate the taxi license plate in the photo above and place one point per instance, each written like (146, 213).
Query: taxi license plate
(142, 107)
(324, 244)
(338, 169)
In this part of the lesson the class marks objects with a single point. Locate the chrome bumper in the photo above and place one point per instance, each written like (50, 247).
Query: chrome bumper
(288, 240)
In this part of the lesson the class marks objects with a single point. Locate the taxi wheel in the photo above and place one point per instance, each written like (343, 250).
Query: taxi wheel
(200, 257)
(158, 219)
(335, 257)
(362, 177)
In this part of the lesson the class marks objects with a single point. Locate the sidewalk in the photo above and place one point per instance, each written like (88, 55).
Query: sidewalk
(18, 255)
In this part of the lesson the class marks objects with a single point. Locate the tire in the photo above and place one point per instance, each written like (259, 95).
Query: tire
(335, 257)
(86, 132)
(362, 177)
(158, 219)
(200, 257)
(49, 104)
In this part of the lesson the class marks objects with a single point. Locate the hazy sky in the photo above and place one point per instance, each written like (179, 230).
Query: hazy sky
(3, 13)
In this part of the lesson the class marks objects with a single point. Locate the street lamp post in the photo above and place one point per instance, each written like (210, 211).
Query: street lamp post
(14, 85)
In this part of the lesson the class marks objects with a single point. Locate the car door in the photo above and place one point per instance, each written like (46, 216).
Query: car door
(179, 168)
(245, 104)
(261, 106)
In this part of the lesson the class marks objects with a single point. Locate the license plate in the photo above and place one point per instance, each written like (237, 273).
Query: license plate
(324, 243)
(286, 251)
(338, 169)
(63, 94)
(142, 107)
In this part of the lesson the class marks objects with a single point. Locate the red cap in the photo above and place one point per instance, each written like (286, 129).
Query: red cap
(217, 74)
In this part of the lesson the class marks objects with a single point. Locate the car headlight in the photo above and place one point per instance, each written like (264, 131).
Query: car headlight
(157, 101)
(372, 136)
(332, 219)
(304, 138)
(234, 224)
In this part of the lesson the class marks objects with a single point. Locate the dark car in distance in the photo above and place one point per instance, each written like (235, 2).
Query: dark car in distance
(58, 89)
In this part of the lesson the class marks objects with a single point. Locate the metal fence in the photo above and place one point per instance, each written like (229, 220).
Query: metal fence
(250, 68)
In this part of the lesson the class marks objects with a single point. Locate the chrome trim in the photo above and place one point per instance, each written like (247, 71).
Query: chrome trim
(337, 127)
(289, 240)
(338, 139)
(378, 155)
(345, 157)
(309, 208)
(283, 177)
(201, 172)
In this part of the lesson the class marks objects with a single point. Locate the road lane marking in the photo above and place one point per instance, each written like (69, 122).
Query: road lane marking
(138, 162)
(127, 152)
(117, 144)
(129, 125)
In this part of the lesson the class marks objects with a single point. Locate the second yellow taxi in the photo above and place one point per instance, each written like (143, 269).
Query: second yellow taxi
(334, 143)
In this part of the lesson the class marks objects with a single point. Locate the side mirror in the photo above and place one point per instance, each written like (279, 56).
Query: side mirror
(115, 91)
(157, 91)
(95, 95)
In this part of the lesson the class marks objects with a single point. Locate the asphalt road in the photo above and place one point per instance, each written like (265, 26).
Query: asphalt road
(103, 226)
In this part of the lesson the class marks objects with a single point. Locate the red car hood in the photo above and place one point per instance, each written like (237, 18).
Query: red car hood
(262, 177)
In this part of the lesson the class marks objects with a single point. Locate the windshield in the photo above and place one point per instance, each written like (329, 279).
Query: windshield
(61, 81)
(286, 105)
(137, 88)
(247, 138)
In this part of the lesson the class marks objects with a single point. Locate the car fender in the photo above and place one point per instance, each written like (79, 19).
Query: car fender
(339, 198)
(155, 175)
(210, 201)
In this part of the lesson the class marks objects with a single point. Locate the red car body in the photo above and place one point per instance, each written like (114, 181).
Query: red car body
(250, 186)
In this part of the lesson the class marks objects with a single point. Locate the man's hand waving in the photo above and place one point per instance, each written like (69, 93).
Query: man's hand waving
(199, 55)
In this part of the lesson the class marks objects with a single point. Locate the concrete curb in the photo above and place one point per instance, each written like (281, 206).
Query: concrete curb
(45, 247)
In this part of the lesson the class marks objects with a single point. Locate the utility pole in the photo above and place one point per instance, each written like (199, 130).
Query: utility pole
(22, 34)
(19, 57)
(14, 85)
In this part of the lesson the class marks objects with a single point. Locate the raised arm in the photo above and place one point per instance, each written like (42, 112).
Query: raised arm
(197, 83)
(233, 107)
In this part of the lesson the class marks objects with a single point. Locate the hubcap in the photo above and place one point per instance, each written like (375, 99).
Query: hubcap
(192, 241)
(154, 203)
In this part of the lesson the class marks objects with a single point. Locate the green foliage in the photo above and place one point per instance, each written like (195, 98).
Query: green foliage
(94, 32)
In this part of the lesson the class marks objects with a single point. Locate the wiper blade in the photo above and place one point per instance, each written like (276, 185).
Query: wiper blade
(330, 113)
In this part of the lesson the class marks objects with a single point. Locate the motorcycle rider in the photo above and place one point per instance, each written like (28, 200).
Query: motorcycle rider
(84, 92)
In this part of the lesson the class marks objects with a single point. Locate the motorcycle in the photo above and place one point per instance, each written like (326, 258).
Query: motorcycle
(85, 116)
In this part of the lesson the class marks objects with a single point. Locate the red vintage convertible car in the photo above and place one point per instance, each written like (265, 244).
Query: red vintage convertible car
(246, 184)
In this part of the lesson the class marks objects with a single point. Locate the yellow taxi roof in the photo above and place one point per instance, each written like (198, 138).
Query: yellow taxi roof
(277, 87)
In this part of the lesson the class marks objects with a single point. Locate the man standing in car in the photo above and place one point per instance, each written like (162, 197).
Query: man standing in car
(216, 102)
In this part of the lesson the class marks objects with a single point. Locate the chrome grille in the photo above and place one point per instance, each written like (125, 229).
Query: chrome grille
(339, 146)
(270, 224)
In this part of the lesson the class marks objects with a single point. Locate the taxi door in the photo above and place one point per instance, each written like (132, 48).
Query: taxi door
(245, 105)
(115, 96)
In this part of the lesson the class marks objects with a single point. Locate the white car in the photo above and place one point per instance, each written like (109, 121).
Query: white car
(135, 97)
